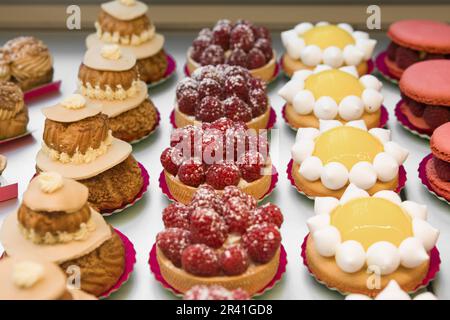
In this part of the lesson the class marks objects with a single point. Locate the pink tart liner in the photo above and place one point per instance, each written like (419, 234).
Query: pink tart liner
(408, 125)
(401, 179)
(270, 123)
(423, 177)
(370, 66)
(433, 269)
(138, 197)
(8, 191)
(384, 117)
(276, 72)
(165, 189)
(23, 135)
(383, 69)
(158, 120)
(170, 71)
(45, 89)
(130, 260)
(154, 267)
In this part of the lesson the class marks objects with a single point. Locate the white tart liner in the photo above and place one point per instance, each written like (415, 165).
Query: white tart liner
(312, 55)
(351, 257)
(326, 108)
(334, 175)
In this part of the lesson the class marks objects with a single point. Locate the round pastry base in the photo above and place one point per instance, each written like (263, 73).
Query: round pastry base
(174, 189)
(317, 189)
(257, 280)
(383, 69)
(377, 119)
(406, 119)
(290, 65)
(425, 170)
(326, 271)
(268, 73)
(264, 121)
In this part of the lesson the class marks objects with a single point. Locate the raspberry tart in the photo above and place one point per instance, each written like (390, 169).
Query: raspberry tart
(215, 292)
(359, 243)
(220, 239)
(240, 44)
(309, 45)
(425, 91)
(332, 94)
(213, 92)
(413, 41)
(222, 153)
(125, 23)
(326, 161)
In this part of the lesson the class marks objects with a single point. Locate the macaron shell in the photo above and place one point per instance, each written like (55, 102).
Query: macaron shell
(439, 142)
(424, 35)
(441, 187)
(428, 82)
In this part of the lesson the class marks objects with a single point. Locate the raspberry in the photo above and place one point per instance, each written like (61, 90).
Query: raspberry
(237, 110)
(176, 215)
(171, 159)
(251, 164)
(205, 32)
(215, 292)
(207, 72)
(392, 51)
(209, 87)
(236, 85)
(200, 260)
(222, 124)
(208, 227)
(255, 59)
(258, 102)
(206, 197)
(212, 148)
(236, 142)
(261, 33)
(242, 37)
(234, 260)
(238, 57)
(222, 174)
(199, 45)
(406, 57)
(213, 55)
(231, 71)
(433, 56)
(435, 116)
(221, 35)
(172, 242)
(187, 101)
(191, 173)
(187, 139)
(233, 191)
(416, 107)
(265, 47)
(209, 109)
(262, 241)
(442, 169)
(268, 213)
(186, 84)
(236, 215)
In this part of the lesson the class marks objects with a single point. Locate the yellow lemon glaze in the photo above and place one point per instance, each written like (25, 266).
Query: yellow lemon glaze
(370, 220)
(334, 83)
(347, 145)
(327, 36)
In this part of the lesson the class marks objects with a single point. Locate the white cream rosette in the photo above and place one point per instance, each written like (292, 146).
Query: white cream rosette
(350, 255)
(333, 56)
(334, 175)
(350, 108)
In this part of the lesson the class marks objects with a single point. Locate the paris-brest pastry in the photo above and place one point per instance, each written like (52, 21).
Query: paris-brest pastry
(108, 76)
(13, 111)
(78, 144)
(55, 222)
(125, 23)
(35, 279)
